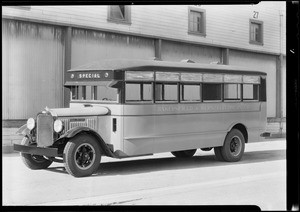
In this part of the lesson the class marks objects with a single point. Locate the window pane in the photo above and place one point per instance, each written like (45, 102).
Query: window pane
(88, 93)
(232, 91)
(211, 91)
(106, 93)
(158, 92)
(166, 92)
(133, 92)
(191, 92)
(250, 92)
(147, 92)
(74, 92)
(117, 12)
(171, 92)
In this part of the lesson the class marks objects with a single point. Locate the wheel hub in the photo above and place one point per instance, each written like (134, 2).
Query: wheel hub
(84, 156)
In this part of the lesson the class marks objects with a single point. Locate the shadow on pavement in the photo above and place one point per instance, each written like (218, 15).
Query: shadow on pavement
(172, 163)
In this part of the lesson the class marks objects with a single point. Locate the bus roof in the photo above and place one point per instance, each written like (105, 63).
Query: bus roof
(156, 65)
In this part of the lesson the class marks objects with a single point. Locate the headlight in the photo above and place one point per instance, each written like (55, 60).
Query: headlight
(58, 126)
(30, 123)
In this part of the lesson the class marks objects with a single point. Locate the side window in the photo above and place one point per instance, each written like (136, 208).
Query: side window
(138, 92)
(190, 92)
(256, 32)
(197, 21)
(232, 91)
(250, 92)
(119, 14)
(166, 92)
(212, 92)
(78, 92)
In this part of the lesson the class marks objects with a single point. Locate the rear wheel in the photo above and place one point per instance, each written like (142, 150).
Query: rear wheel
(34, 161)
(184, 153)
(233, 148)
(82, 155)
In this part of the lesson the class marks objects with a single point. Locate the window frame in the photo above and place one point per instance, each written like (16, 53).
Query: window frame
(216, 100)
(182, 84)
(258, 93)
(127, 18)
(203, 13)
(163, 83)
(261, 23)
(239, 85)
(142, 101)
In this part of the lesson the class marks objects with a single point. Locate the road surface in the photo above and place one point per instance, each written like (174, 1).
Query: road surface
(259, 179)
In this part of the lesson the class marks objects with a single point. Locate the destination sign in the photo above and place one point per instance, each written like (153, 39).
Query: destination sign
(93, 76)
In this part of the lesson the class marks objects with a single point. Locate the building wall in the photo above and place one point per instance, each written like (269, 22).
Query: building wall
(90, 45)
(171, 22)
(175, 51)
(32, 60)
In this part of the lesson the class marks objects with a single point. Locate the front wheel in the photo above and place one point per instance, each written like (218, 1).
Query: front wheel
(233, 147)
(184, 153)
(34, 162)
(82, 155)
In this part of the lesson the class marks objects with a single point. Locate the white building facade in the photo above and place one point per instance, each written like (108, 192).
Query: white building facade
(39, 43)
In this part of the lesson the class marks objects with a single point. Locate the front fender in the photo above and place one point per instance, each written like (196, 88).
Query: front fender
(23, 130)
(77, 130)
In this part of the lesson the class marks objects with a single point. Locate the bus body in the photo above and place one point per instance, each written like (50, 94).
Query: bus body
(124, 108)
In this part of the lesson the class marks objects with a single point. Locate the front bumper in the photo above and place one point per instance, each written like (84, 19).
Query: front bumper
(49, 152)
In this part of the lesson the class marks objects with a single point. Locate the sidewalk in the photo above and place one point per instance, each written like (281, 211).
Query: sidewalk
(9, 136)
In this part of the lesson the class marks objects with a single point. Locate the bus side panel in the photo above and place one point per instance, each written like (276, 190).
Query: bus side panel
(138, 134)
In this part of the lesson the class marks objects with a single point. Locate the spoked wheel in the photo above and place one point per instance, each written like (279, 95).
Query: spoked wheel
(184, 153)
(34, 161)
(233, 148)
(82, 155)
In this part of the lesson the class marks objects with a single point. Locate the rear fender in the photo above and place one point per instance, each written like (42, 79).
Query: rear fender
(78, 130)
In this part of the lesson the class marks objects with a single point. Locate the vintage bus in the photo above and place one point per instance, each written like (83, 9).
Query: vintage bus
(123, 108)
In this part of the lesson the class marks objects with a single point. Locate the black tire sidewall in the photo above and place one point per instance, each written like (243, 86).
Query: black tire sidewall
(225, 150)
(69, 151)
(30, 162)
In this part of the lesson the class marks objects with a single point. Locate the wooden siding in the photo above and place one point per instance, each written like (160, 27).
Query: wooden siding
(32, 68)
(226, 25)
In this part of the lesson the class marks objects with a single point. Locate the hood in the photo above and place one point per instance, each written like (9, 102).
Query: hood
(80, 111)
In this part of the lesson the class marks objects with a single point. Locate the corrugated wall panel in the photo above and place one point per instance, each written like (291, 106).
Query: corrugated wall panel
(226, 24)
(174, 51)
(88, 45)
(32, 68)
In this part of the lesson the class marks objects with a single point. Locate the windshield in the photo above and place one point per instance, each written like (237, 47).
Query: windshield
(99, 93)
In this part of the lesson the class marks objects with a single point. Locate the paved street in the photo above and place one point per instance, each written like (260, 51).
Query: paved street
(259, 179)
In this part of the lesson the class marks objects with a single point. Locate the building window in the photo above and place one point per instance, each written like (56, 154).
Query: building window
(256, 32)
(119, 14)
(197, 21)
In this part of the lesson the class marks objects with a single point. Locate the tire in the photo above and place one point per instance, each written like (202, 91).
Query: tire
(233, 147)
(82, 155)
(34, 162)
(218, 154)
(185, 153)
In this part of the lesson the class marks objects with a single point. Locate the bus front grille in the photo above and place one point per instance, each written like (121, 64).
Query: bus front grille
(44, 130)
